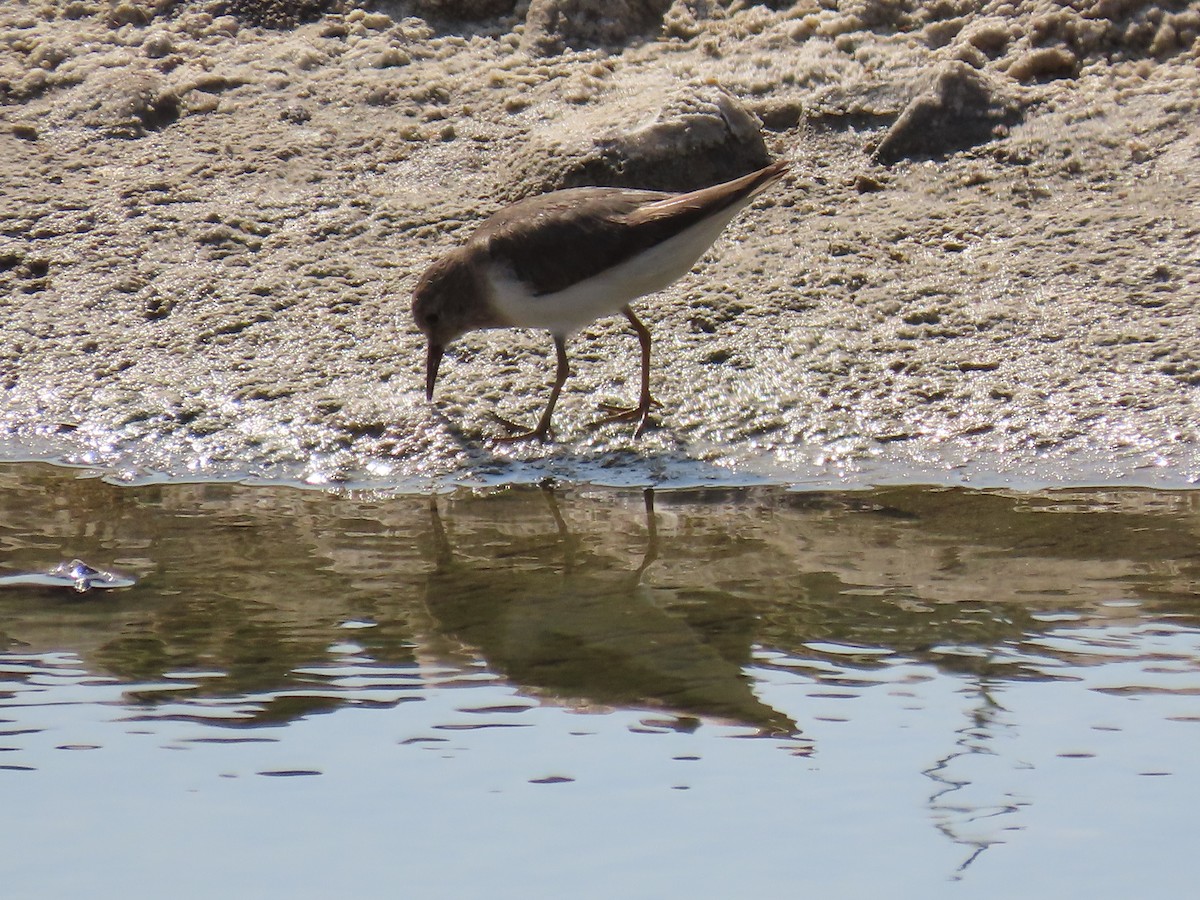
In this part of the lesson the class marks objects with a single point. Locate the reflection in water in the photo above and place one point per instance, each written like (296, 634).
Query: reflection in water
(552, 614)
(957, 814)
(790, 615)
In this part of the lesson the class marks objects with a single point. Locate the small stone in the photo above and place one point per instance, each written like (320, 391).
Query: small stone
(158, 44)
(865, 183)
(295, 113)
(334, 28)
(1045, 63)
(392, 57)
(377, 21)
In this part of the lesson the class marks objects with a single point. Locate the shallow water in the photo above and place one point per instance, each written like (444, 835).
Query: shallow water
(592, 693)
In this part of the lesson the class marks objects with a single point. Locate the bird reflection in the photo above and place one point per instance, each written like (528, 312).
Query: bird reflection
(555, 614)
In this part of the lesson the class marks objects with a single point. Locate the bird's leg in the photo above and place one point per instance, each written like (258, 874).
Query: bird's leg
(542, 431)
(641, 412)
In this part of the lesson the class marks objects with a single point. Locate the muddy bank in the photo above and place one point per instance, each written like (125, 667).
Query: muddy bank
(210, 230)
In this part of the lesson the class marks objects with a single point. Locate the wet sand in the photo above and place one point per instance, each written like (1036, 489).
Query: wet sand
(211, 228)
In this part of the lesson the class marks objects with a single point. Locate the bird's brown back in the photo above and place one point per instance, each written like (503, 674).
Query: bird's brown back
(557, 239)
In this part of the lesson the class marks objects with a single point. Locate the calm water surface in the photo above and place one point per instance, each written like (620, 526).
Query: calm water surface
(906, 692)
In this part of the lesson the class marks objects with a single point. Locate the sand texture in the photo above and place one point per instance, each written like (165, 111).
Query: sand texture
(984, 266)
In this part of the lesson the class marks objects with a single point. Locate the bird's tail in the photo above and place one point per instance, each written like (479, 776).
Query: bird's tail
(706, 201)
(759, 181)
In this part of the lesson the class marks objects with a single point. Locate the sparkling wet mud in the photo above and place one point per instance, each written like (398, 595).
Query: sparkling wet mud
(599, 692)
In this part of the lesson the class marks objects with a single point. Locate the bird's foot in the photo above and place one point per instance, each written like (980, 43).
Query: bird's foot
(618, 413)
(639, 413)
(521, 433)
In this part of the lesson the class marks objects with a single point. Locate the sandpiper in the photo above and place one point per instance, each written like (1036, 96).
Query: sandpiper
(561, 260)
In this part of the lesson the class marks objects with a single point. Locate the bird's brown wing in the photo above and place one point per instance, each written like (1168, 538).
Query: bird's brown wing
(558, 239)
(561, 238)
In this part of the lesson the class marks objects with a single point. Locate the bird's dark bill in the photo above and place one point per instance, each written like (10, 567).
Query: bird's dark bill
(433, 359)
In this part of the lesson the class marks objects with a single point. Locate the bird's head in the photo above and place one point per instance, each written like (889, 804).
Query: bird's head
(447, 302)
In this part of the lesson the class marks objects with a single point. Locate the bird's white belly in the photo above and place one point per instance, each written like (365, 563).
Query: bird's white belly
(579, 305)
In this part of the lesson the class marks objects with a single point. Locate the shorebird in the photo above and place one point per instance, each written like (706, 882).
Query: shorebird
(561, 260)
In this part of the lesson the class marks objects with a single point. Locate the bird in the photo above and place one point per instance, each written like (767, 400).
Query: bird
(561, 260)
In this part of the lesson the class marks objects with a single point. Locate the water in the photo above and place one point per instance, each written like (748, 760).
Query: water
(597, 693)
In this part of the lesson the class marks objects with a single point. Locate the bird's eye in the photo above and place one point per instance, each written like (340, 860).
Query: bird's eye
(431, 318)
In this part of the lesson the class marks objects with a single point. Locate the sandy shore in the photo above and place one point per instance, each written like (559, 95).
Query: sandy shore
(210, 230)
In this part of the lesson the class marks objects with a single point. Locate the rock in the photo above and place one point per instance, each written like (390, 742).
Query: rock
(676, 140)
(552, 26)
(961, 108)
